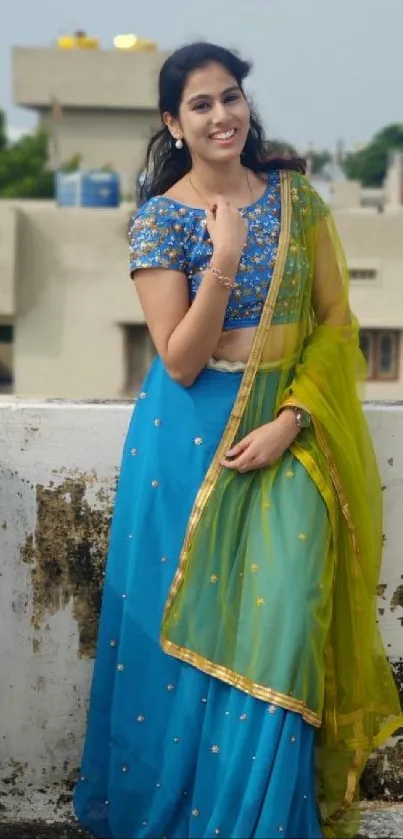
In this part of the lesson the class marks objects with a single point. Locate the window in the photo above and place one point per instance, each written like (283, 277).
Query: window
(363, 274)
(138, 354)
(6, 357)
(381, 349)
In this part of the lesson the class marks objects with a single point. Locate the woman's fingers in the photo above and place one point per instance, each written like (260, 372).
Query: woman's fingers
(240, 447)
(237, 449)
(243, 463)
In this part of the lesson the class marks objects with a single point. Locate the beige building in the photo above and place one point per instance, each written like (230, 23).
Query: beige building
(70, 323)
(98, 104)
(370, 222)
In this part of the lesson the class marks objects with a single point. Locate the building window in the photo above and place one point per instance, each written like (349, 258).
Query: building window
(363, 274)
(138, 354)
(6, 357)
(381, 349)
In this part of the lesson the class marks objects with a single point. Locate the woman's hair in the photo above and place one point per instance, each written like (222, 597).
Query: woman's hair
(165, 164)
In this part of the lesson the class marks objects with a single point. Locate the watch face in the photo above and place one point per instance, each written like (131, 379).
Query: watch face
(303, 419)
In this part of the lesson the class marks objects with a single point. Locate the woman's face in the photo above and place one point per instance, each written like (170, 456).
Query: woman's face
(214, 116)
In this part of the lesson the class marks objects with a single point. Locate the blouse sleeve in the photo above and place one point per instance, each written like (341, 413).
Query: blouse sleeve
(156, 238)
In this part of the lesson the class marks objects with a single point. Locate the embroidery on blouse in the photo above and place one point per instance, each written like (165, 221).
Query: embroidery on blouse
(165, 234)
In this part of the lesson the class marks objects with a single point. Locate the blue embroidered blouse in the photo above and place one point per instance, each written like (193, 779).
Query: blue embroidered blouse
(166, 234)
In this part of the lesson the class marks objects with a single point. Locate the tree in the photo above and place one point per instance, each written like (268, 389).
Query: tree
(3, 134)
(23, 172)
(369, 165)
(24, 168)
(318, 160)
(278, 148)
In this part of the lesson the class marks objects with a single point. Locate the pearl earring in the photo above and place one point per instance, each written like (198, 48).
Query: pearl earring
(179, 143)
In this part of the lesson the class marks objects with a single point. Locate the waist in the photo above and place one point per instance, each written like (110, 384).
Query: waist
(224, 366)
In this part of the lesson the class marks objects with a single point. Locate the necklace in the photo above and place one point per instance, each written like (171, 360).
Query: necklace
(208, 203)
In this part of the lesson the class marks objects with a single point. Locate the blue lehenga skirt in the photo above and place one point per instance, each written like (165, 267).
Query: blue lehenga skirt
(169, 751)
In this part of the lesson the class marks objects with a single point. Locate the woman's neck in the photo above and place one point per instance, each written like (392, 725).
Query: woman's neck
(220, 179)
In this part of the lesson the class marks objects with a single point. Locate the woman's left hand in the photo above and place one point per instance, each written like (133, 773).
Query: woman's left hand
(264, 445)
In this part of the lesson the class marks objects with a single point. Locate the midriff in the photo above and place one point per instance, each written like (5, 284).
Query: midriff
(235, 344)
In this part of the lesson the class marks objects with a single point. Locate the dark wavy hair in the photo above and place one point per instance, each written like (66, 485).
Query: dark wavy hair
(165, 164)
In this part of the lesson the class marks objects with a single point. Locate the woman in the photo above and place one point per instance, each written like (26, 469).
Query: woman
(240, 682)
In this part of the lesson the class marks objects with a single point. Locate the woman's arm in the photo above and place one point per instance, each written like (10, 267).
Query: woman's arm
(184, 337)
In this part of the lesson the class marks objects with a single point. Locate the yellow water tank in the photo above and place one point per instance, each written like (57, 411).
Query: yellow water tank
(132, 42)
(78, 41)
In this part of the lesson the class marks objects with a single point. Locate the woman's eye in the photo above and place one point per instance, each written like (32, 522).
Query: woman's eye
(232, 97)
(200, 106)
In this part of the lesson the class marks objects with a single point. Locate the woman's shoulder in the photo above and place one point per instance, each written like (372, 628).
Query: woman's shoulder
(304, 193)
(155, 208)
(304, 185)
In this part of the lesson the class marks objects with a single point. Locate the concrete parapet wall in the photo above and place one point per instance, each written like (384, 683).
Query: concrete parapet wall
(58, 467)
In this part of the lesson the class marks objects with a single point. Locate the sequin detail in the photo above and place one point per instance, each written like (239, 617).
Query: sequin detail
(165, 234)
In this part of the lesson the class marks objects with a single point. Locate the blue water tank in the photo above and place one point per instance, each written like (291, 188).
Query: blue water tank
(87, 189)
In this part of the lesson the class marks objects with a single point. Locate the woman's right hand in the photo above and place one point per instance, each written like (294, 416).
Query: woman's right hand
(228, 231)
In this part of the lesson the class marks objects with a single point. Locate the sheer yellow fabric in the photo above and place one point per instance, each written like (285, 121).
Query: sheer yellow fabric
(361, 707)
(275, 590)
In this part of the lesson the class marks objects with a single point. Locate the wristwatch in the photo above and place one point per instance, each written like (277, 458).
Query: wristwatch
(303, 419)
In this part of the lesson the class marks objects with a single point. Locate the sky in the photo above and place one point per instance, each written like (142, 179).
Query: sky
(324, 70)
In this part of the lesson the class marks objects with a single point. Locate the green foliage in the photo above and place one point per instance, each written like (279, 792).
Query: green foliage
(3, 135)
(319, 159)
(23, 172)
(277, 148)
(24, 167)
(369, 165)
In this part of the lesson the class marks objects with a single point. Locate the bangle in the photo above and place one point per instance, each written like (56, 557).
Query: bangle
(226, 282)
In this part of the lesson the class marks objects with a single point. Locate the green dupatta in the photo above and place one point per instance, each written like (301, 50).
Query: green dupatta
(213, 620)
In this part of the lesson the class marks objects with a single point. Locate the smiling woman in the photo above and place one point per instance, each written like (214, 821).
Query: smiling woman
(240, 681)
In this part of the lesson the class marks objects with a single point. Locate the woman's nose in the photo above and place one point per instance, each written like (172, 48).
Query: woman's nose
(220, 113)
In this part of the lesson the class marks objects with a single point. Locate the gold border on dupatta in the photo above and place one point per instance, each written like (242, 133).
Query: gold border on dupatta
(205, 665)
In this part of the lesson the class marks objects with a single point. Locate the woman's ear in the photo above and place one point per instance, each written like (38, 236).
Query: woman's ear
(173, 126)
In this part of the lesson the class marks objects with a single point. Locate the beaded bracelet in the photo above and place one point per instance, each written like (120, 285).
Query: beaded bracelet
(226, 282)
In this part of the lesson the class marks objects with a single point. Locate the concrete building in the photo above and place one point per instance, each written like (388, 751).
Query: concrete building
(98, 104)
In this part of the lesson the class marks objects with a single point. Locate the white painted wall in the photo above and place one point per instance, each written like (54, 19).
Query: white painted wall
(44, 683)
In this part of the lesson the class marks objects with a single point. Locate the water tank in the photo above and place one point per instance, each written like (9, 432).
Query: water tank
(87, 189)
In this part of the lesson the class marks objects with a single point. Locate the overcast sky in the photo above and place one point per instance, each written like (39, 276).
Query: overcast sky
(324, 69)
